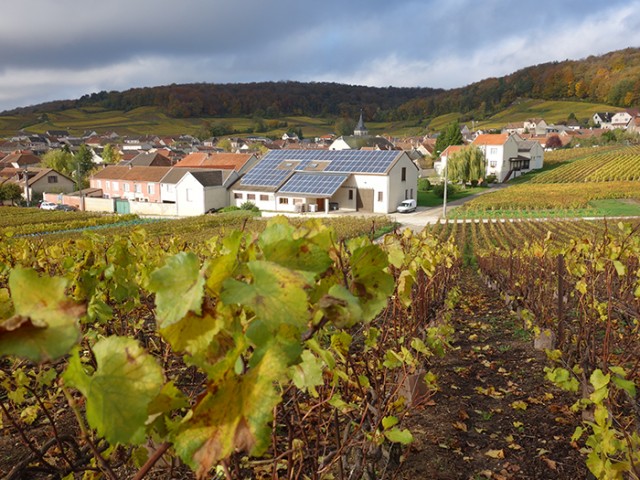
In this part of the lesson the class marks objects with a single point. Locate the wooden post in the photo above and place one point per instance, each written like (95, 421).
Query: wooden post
(560, 299)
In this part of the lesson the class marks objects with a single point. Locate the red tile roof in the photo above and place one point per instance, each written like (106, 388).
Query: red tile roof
(491, 139)
(224, 161)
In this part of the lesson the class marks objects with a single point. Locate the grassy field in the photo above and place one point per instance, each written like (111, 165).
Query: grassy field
(150, 120)
(430, 199)
(550, 111)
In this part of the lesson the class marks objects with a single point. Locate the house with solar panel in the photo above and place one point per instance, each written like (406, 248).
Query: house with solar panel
(292, 181)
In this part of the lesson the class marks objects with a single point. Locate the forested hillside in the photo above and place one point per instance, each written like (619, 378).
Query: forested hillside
(612, 79)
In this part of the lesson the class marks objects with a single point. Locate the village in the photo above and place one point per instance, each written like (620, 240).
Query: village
(184, 176)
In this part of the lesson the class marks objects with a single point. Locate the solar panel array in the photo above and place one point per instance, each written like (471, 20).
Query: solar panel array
(313, 183)
(272, 170)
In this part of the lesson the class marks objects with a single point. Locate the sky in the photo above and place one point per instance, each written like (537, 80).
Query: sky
(63, 49)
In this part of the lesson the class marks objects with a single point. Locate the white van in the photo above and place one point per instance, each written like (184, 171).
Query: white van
(407, 206)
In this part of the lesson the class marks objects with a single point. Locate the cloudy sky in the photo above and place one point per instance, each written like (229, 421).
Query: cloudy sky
(63, 49)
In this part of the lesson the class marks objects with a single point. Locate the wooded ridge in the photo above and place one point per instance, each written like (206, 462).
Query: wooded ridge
(612, 78)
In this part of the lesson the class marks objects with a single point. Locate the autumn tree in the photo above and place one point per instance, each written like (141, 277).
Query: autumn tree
(111, 154)
(553, 141)
(60, 160)
(10, 191)
(344, 126)
(467, 165)
(83, 165)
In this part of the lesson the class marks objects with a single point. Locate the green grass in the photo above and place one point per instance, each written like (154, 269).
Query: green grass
(430, 199)
(617, 208)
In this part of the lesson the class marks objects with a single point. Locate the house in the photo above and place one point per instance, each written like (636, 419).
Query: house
(536, 126)
(444, 156)
(147, 160)
(171, 179)
(602, 119)
(131, 183)
(622, 119)
(197, 192)
(240, 162)
(37, 181)
(514, 127)
(20, 159)
(352, 142)
(322, 180)
(509, 155)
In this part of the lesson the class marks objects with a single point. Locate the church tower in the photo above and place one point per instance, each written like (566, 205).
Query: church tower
(360, 130)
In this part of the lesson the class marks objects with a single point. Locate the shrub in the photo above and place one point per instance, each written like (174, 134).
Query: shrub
(249, 206)
(424, 185)
(491, 178)
(438, 190)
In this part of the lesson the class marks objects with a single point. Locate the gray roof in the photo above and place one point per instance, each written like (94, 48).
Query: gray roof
(211, 178)
(175, 174)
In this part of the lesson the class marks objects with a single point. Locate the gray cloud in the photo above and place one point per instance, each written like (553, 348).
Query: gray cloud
(67, 48)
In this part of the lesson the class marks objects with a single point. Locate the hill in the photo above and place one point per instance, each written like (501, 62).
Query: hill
(608, 82)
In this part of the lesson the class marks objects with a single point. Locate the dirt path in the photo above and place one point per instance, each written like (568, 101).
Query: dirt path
(495, 415)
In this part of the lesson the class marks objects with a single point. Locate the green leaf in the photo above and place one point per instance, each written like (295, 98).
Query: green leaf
(388, 422)
(279, 246)
(45, 323)
(234, 415)
(179, 288)
(396, 435)
(624, 384)
(371, 284)
(620, 268)
(341, 307)
(127, 379)
(308, 373)
(276, 294)
(599, 380)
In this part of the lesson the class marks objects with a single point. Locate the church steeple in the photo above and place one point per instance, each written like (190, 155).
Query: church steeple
(360, 130)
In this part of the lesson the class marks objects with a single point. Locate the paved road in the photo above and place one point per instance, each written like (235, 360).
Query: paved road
(428, 215)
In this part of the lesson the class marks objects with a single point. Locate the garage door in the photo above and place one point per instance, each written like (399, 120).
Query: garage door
(364, 199)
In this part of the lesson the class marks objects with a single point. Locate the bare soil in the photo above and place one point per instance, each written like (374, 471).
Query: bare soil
(495, 416)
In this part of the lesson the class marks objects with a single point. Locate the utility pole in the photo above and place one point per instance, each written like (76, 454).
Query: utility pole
(444, 198)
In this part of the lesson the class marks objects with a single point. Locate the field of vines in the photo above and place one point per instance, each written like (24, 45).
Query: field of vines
(563, 155)
(535, 196)
(280, 352)
(610, 165)
(575, 284)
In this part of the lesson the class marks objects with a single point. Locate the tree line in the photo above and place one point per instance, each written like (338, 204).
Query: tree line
(613, 79)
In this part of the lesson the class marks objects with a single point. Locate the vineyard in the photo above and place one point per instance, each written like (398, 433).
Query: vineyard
(245, 348)
(603, 165)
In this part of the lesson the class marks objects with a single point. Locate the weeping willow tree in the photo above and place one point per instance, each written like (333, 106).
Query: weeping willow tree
(466, 165)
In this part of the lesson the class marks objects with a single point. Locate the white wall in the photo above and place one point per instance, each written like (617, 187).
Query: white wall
(153, 208)
(399, 190)
(92, 204)
(194, 199)
(268, 205)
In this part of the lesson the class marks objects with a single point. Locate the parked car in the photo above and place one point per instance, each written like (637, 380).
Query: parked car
(407, 206)
(48, 206)
(66, 208)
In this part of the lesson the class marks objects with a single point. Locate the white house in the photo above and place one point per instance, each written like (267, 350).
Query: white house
(200, 191)
(536, 126)
(623, 119)
(602, 119)
(508, 155)
(324, 180)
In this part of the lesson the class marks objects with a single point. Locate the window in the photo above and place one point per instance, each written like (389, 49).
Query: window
(189, 194)
(493, 164)
(151, 189)
(137, 188)
(116, 186)
(380, 196)
(404, 174)
(251, 196)
(264, 198)
(237, 196)
(108, 184)
(127, 187)
(493, 150)
(283, 201)
(350, 194)
(54, 179)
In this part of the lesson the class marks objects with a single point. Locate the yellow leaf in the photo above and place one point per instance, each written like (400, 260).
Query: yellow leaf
(519, 405)
(460, 426)
(495, 453)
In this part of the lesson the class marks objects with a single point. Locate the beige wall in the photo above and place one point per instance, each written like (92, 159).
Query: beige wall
(153, 208)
